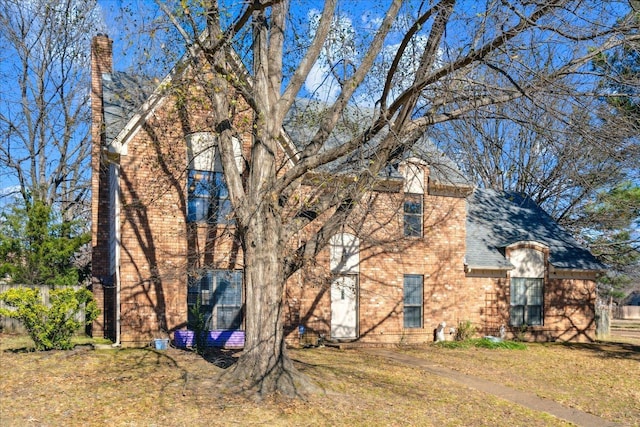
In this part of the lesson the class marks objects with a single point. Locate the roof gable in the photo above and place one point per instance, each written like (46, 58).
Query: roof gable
(496, 220)
(123, 94)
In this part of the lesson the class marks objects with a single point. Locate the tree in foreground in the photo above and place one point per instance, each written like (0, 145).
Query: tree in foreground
(412, 66)
(44, 110)
(38, 248)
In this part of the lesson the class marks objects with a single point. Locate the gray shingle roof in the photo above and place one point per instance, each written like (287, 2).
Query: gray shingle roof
(497, 219)
(123, 94)
(442, 169)
(302, 122)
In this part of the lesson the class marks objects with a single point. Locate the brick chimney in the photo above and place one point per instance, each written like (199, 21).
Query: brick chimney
(101, 63)
(101, 280)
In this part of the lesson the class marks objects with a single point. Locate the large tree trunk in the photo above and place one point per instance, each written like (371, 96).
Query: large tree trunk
(264, 366)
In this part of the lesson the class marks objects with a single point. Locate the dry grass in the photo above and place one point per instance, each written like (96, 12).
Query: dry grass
(143, 387)
(601, 378)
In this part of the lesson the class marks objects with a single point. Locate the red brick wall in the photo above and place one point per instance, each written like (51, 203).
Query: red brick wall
(159, 248)
(101, 62)
(385, 257)
(449, 295)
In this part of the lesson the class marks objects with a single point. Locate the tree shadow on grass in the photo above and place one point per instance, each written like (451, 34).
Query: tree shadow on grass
(220, 357)
(608, 349)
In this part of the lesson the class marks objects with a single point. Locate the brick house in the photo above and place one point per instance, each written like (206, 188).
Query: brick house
(425, 248)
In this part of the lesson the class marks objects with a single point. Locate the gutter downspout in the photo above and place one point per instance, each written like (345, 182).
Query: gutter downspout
(117, 251)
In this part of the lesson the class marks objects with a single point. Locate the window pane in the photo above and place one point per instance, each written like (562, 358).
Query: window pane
(197, 209)
(208, 197)
(224, 213)
(206, 282)
(221, 186)
(412, 295)
(534, 315)
(413, 207)
(192, 298)
(516, 315)
(413, 317)
(534, 292)
(412, 226)
(518, 291)
(229, 318)
(413, 216)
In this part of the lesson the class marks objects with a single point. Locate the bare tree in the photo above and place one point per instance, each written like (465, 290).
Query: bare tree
(534, 48)
(569, 150)
(44, 114)
(560, 155)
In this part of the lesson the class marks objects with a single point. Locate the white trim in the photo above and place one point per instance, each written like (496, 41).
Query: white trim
(344, 254)
(118, 245)
(527, 242)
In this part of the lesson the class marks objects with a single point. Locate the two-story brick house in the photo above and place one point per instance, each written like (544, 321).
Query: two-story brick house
(423, 248)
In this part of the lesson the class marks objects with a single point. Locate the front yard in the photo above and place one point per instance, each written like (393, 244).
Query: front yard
(144, 387)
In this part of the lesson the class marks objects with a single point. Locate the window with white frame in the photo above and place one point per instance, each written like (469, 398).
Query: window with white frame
(413, 215)
(412, 301)
(526, 301)
(218, 294)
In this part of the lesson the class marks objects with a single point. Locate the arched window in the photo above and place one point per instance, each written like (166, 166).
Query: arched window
(527, 286)
(413, 199)
(208, 196)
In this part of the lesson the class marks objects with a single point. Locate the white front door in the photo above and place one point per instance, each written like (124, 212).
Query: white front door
(344, 314)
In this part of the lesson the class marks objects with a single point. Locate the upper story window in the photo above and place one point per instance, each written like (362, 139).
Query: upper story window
(208, 198)
(208, 195)
(414, 186)
(413, 215)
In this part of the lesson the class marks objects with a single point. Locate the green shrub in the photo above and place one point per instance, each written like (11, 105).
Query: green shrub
(453, 344)
(37, 247)
(198, 324)
(509, 345)
(465, 331)
(50, 327)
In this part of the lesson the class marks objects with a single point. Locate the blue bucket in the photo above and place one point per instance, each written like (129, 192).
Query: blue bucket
(161, 343)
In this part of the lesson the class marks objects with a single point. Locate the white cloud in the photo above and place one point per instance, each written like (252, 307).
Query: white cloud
(7, 191)
(339, 49)
(321, 84)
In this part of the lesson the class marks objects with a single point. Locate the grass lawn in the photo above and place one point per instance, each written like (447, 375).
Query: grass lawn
(143, 387)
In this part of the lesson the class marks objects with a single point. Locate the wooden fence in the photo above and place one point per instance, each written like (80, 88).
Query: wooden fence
(629, 312)
(8, 324)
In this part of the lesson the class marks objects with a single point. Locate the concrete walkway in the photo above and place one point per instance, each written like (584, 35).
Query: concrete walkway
(522, 398)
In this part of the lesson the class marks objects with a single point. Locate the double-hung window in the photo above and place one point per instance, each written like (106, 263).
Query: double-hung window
(413, 215)
(412, 301)
(219, 294)
(526, 301)
(208, 198)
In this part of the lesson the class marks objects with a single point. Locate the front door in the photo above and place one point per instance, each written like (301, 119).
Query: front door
(344, 315)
